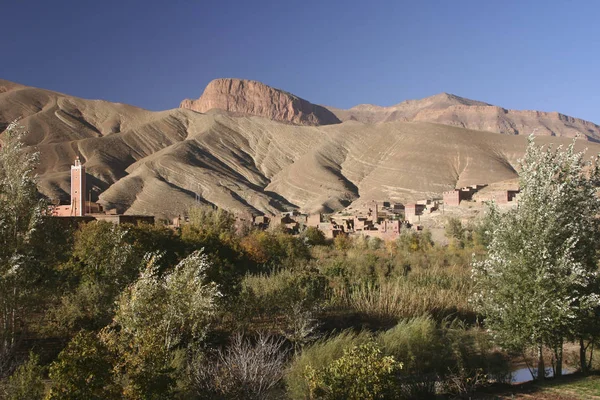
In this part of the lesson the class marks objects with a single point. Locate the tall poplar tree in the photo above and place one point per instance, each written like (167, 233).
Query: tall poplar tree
(20, 216)
(538, 284)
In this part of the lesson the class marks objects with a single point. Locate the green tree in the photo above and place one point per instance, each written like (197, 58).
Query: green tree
(212, 220)
(538, 283)
(21, 212)
(455, 231)
(27, 382)
(103, 263)
(83, 370)
(314, 236)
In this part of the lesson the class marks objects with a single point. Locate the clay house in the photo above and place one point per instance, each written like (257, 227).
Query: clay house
(261, 221)
(500, 196)
(313, 220)
(454, 197)
(413, 211)
(331, 229)
(289, 223)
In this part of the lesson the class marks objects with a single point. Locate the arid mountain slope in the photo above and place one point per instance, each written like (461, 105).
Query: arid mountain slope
(246, 97)
(453, 110)
(157, 162)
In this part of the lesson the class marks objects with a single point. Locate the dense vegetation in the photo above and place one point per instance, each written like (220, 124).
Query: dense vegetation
(218, 310)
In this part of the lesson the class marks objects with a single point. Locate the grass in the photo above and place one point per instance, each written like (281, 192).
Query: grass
(569, 387)
(440, 292)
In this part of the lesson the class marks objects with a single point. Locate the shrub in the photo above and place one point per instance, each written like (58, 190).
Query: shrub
(475, 360)
(83, 370)
(323, 352)
(420, 343)
(314, 236)
(27, 381)
(245, 370)
(342, 242)
(363, 372)
(157, 317)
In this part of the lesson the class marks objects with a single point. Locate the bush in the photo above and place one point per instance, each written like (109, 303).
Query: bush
(420, 343)
(274, 249)
(159, 318)
(83, 370)
(363, 372)
(314, 236)
(321, 353)
(245, 370)
(27, 382)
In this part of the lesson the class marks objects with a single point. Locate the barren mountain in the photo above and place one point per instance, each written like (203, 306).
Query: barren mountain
(156, 162)
(246, 97)
(453, 110)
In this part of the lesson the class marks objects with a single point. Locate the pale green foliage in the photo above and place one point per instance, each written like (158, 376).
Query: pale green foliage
(20, 216)
(155, 317)
(176, 304)
(540, 274)
(321, 353)
(27, 382)
(363, 372)
(420, 343)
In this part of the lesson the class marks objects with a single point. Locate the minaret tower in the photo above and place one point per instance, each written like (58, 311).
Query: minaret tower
(77, 189)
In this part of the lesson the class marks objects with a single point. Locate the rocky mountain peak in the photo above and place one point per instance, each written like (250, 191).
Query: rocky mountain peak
(246, 97)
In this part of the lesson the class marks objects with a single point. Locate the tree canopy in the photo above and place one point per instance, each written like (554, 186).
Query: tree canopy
(539, 279)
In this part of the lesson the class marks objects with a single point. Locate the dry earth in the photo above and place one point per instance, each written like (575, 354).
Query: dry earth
(155, 162)
(453, 110)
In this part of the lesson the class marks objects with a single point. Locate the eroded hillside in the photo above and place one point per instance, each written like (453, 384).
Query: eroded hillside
(158, 162)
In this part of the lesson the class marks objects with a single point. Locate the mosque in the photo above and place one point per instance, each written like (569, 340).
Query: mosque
(87, 210)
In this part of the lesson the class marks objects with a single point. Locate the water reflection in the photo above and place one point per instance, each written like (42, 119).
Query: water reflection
(524, 374)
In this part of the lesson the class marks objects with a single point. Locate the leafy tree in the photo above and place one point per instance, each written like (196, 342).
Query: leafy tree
(212, 220)
(539, 282)
(363, 372)
(103, 263)
(148, 238)
(21, 213)
(455, 232)
(157, 316)
(314, 236)
(83, 370)
(27, 382)
(214, 231)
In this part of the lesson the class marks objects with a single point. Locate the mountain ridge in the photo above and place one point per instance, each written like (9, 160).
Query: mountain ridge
(160, 162)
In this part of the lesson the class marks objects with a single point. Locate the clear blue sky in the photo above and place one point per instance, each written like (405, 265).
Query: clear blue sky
(525, 54)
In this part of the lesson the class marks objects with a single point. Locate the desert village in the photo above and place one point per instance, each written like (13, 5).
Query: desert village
(381, 219)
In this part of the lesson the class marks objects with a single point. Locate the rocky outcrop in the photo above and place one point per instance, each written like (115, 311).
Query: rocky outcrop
(244, 97)
(449, 109)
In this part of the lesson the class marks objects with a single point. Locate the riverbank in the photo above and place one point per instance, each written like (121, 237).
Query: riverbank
(570, 387)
